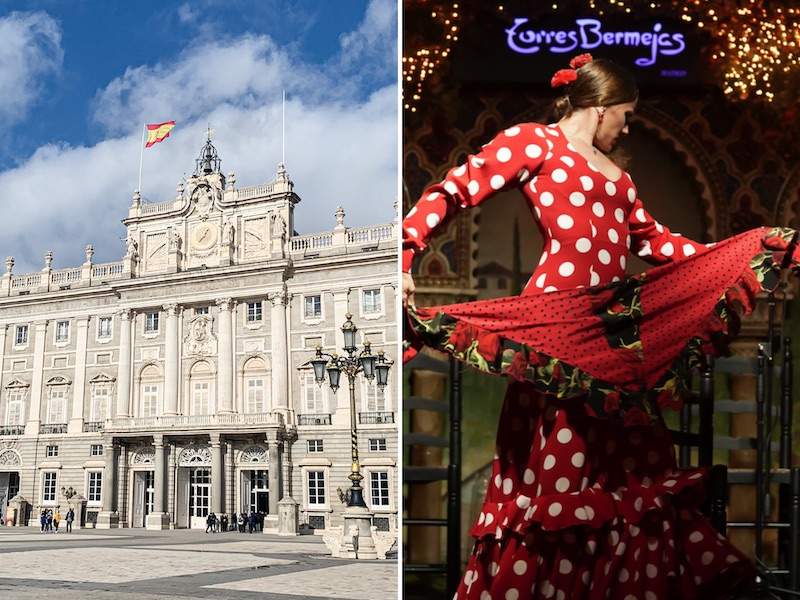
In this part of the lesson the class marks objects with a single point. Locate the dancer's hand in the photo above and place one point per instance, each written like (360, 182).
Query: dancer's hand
(408, 289)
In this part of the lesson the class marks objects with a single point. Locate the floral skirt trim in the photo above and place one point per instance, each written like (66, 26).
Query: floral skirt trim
(617, 310)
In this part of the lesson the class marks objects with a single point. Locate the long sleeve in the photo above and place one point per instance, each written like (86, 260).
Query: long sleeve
(653, 242)
(509, 160)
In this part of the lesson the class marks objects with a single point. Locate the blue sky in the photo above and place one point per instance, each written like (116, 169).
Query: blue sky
(78, 78)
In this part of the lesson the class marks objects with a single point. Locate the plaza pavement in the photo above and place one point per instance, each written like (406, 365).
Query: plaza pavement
(136, 564)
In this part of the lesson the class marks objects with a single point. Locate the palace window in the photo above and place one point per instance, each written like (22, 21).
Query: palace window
(200, 310)
(49, 486)
(13, 407)
(374, 397)
(315, 445)
(379, 488)
(101, 393)
(21, 335)
(96, 450)
(313, 396)
(57, 405)
(316, 488)
(254, 312)
(377, 444)
(62, 332)
(151, 322)
(94, 487)
(312, 307)
(371, 301)
(255, 395)
(200, 398)
(51, 451)
(149, 399)
(104, 328)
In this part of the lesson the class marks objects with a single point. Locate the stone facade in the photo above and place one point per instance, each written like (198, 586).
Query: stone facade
(171, 383)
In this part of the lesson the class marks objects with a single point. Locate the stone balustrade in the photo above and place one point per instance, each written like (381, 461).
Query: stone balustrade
(124, 424)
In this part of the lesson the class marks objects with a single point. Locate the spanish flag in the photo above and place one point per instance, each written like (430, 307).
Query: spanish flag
(158, 132)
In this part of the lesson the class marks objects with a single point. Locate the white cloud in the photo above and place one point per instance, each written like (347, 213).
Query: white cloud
(340, 148)
(30, 50)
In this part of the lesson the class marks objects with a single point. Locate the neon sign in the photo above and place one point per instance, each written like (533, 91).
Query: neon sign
(588, 35)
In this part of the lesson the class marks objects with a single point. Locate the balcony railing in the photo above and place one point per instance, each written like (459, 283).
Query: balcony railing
(53, 428)
(90, 426)
(313, 419)
(192, 421)
(12, 429)
(375, 418)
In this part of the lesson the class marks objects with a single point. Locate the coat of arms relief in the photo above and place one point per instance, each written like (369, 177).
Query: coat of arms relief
(200, 341)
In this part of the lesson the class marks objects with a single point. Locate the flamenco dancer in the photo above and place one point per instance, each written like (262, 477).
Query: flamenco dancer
(585, 498)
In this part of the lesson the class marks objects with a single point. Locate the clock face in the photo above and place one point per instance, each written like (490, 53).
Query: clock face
(204, 236)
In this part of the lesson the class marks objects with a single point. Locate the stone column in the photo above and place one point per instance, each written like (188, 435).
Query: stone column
(122, 485)
(229, 475)
(3, 333)
(171, 361)
(225, 357)
(108, 518)
(341, 408)
(280, 352)
(159, 518)
(287, 507)
(35, 410)
(79, 389)
(217, 475)
(271, 521)
(124, 368)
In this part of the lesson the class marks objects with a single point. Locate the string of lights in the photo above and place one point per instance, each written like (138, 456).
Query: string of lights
(420, 64)
(754, 46)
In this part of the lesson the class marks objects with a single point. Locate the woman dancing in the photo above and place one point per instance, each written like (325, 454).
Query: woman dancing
(585, 498)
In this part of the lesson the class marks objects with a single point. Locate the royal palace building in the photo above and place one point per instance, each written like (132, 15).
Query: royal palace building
(150, 391)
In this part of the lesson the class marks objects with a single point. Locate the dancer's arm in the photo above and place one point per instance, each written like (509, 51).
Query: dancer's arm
(656, 244)
(509, 160)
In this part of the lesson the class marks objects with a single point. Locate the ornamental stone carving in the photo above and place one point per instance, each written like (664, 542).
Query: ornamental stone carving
(200, 341)
(9, 458)
(144, 456)
(193, 456)
(253, 454)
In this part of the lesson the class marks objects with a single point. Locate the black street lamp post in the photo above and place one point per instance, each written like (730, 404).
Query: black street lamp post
(372, 367)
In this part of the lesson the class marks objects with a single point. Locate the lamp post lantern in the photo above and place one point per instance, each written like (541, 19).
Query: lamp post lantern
(351, 365)
(373, 368)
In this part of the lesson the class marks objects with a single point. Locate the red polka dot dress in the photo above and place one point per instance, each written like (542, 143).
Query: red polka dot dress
(585, 498)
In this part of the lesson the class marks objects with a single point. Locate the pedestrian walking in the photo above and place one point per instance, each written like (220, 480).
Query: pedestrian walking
(56, 520)
(49, 520)
(241, 522)
(43, 520)
(70, 519)
(223, 523)
(211, 519)
(234, 521)
(251, 521)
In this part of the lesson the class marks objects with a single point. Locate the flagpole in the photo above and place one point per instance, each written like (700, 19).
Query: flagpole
(141, 157)
(283, 129)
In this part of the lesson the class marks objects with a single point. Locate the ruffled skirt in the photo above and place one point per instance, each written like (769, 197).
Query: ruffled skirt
(585, 498)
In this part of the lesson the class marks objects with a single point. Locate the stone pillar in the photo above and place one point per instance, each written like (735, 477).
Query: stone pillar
(34, 413)
(171, 361)
(159, 518)
(217, 475)
(79, 389)
(124, 368)
(122, 486)
(341, 408)
(229, 475)
(225, 357)
(108, 518)
(280, 352)
(271, 523)
(287, 507)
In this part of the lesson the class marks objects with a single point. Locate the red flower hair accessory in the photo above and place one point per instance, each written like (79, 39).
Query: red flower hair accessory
(580, 60)
(563, 77)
